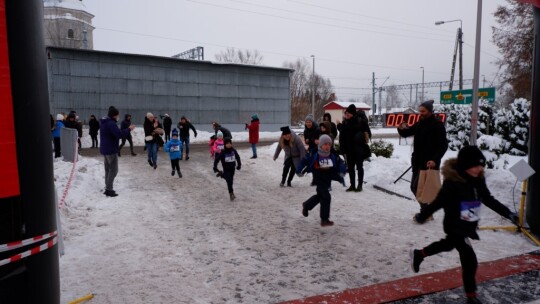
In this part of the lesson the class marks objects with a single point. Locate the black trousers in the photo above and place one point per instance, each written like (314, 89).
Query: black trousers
(94, 140)
(167, 134)
(469, 263)
(228, 175)
(130, 140)
(57, 150)
(175, 164)
(323, 197)
(288, 169)
(355, 160)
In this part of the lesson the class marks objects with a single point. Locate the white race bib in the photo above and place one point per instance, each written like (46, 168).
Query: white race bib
(230, 158)
(175, 148)
(326, 163)
(470, 211)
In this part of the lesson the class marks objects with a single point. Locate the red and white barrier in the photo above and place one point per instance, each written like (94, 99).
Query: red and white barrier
(30, 252)
(18, 244)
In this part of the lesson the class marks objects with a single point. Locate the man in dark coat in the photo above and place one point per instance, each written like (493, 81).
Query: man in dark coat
(167, 124)
(110, 135)
(184, 125)
(72, 123)
(430, 143)
(217, 127)
(353, 143)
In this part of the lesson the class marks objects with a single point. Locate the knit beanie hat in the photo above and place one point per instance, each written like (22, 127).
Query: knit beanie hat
(351, 109)
(149, 114)
(285, 130)
(470, 156)
(255, 116)
(428, 104)
(174, 132)
(309, 117)
(324, 139)
(227, 140)
(112, 111)
(219, 134)
(59, 117)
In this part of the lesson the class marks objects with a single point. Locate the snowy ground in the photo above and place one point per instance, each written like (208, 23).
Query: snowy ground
(171, 240)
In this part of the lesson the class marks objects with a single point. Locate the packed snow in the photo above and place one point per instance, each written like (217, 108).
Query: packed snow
(166, 239)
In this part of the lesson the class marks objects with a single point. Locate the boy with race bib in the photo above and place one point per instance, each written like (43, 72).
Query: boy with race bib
(462, 194)
(174, 147)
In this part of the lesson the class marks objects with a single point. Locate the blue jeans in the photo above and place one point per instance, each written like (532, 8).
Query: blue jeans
(151, 150)
(185, 142)
(254, 149)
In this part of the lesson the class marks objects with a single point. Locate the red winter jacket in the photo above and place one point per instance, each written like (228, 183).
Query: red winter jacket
(253, 128)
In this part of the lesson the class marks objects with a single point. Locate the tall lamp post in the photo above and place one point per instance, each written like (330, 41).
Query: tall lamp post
(313, 88)
(459, 46)
(422, 99)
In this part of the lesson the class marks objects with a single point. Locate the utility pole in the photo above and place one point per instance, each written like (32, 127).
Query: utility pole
(373, 108)
(313, 89)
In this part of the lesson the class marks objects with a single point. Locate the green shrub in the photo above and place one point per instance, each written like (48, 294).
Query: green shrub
(382, 148)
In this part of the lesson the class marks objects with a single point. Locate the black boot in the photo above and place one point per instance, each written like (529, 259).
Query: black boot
(179, 174)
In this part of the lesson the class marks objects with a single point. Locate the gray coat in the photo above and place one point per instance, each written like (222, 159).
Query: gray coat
(295, 149)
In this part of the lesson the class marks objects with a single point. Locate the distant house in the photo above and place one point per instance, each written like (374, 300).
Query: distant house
(337, 108)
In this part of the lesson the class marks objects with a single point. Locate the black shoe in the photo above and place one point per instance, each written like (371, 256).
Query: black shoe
(326, 223)
(155, 166)
(219, 174)
(187, 157)
(351, 189)
(358, 189)
(232, 196)
(133, 154)
(305, 212)
(416, 259)
(282, 184)
(312, 184)
(179, 174)
(150, 163)
(110, 193)
(253, 157)
(172, 173)
(289, 184)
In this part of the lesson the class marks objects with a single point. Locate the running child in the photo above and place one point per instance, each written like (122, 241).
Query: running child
(174, 148)
(230, 160)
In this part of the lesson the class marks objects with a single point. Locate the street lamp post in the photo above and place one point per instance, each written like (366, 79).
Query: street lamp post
(422, 98)
(313, 88)
(459, 46)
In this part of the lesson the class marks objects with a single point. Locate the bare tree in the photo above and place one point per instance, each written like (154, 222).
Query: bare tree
(392, 98)
(302, 85)
(232, 55)
(515, 37)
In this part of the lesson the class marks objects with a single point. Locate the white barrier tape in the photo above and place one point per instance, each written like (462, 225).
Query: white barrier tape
(29, 241)
(30, 252)
(68, 185)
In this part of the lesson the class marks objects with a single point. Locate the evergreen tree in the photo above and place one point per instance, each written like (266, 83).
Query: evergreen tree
(518, 124)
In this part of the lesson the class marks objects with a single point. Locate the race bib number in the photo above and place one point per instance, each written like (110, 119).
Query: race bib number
(175, 148)
(470, 211)
(220, 147)
(230, 158)
(326, 163)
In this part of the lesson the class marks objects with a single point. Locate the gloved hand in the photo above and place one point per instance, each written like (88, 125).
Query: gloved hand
(215, 170)
(238, 167)
(514, 217)
(416, 219)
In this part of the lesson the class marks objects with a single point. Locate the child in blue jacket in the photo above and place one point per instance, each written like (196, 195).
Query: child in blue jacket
(174, 147)
(325, 166)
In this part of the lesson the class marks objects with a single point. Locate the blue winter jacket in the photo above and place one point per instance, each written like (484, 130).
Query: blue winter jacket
(110, 134)
(174, 147)
(59, 125)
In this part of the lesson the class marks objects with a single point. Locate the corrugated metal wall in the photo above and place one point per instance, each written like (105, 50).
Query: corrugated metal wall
(91, 81)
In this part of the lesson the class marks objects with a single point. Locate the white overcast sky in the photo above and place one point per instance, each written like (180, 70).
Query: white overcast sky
(350, 39)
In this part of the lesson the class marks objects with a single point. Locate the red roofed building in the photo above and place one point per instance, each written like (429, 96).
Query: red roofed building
(337, 108)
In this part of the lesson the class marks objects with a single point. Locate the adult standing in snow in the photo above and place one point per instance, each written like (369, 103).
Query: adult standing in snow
(294, 150)
(184, 125)
(150, 125)
(253, 128)
(110, 134)
(463, 192)
(430, 143)
(93, 125)
(72, 123)
(125, 125)
(353, 143)
(167, 124)
(217, 127)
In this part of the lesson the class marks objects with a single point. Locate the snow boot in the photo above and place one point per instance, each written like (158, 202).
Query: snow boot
(179, 174)
(110, 193)
(416, 259)
(232, 196)
(172, 173)
(326, 223)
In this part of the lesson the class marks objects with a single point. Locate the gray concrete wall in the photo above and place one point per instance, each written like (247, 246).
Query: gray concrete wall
(91, 81)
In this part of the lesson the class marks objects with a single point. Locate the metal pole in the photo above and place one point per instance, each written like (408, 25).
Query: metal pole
(313, 89)
(474, 115)
(422, 100)
(460, 36)
(373, 99)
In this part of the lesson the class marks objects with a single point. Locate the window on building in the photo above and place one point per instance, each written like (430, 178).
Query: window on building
(70, 34)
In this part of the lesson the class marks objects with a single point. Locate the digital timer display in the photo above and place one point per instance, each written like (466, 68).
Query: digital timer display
(393, 120)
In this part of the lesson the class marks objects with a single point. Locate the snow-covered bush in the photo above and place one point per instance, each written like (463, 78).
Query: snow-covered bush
(382, 148)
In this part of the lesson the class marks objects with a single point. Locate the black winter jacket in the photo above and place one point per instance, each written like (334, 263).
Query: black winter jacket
(229, 160)
(461, 196)
(352, 135)
(430, 142)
